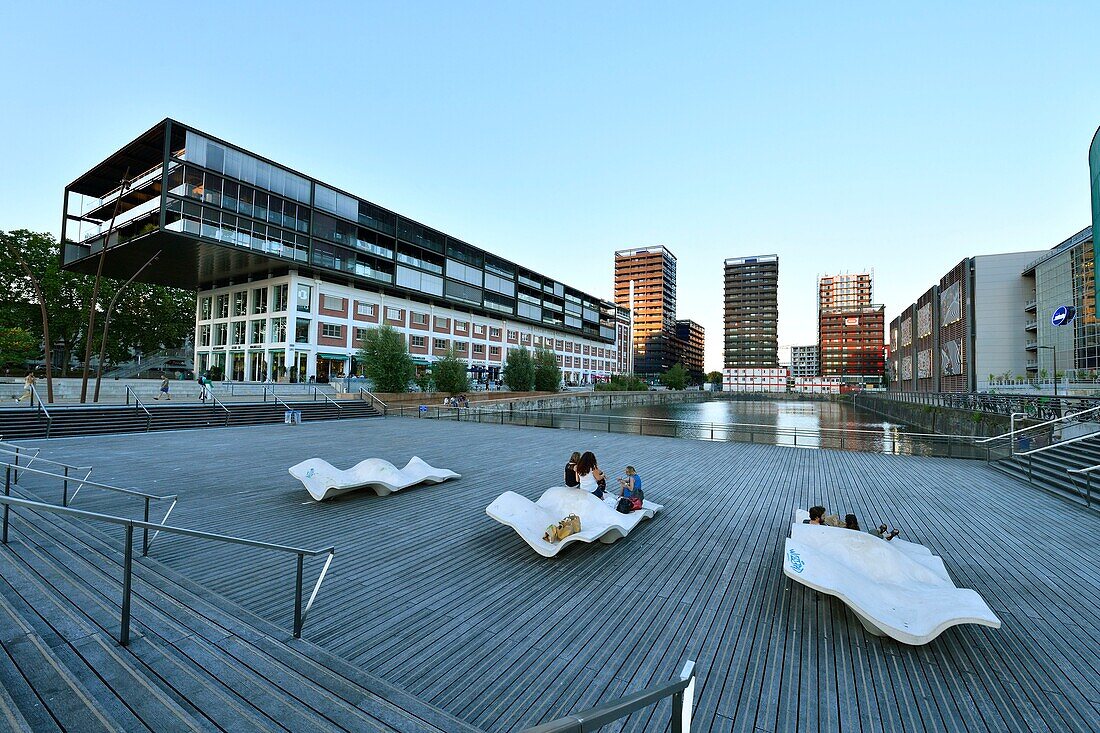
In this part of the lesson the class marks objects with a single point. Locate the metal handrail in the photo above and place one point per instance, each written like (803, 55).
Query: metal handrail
(1014, 431)
(838, 437)
(365, 392)
(626, 418)
(682, 692)
(300, 614)
(42, 409)
(1087, 473)
(139, 404)
(34, 458)
(218, 403)
(81, 482)
(1059, 444)
(21, 450)
(322, 394)
(277, 399)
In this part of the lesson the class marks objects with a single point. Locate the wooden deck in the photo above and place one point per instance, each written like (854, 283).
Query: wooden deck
(431, 594)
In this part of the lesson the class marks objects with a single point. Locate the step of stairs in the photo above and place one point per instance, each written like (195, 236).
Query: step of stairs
(1049, 470)
(195, 661)
(71, 420)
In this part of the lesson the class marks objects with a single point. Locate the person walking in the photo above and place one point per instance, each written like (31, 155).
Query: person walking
(163, 388)
(28, 388)
(204, 387)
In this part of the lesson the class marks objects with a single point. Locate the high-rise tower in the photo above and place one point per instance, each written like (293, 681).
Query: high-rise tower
(653, 272)
(751, 312)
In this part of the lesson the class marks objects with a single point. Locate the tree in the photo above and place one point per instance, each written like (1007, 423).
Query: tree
(623, 383)
(386, 360)
(547, 371)
(519, 370)
(715, 378)
(17, 347)
(146, 318)
(676, 377)
(450, 374)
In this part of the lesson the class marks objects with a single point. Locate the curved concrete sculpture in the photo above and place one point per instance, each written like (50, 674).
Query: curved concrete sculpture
(903, 594)
(599, 520)
(324, 481)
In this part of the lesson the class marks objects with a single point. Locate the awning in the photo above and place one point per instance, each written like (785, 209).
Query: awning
(333, 357)
(420, 360)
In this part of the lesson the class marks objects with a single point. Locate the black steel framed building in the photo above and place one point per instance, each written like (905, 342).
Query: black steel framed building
(221, 217)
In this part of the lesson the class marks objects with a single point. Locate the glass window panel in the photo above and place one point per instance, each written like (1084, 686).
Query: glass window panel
(301, 330)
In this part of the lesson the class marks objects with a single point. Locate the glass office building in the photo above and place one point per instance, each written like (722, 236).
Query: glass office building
(290, 271)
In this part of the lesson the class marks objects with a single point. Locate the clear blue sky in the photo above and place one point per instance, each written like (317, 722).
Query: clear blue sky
(868, 135)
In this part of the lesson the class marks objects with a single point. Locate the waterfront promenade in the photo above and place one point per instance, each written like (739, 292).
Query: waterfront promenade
(429, 593)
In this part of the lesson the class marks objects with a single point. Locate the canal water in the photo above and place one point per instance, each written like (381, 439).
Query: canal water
(809, 423)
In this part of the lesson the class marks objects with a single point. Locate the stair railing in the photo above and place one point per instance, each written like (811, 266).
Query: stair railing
(339, 409)
(43, 411)
(218, 403)
(276, 398)
(7, 449)
(1087, 473)
(682, 692)
(67, 499)
(139, 405)
(19, 451)
(1059, 444)
(1014, 432)
(364, 393)
(300, 612)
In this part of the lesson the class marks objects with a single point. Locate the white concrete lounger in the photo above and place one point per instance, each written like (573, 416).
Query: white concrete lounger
(324, 481)
(893, 591)
(599, 521)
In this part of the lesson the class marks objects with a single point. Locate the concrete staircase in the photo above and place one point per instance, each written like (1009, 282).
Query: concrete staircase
(196, 662)
(1048, 470)
(68, 420)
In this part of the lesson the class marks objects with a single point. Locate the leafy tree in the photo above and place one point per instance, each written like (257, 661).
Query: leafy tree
(519, 370)
(623, 383)
(424, 381)
(386, 360)
(547, 371)
(676, 377)
(450, 374)
(17, 347)
(715, 378)
(146, 318)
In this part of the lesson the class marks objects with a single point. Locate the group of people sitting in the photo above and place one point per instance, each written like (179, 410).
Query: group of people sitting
(583, 472)
(456, 401)
(819, 515)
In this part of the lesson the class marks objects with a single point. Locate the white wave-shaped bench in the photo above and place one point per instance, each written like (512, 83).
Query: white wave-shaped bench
(893, 589)
(599, 521)
(324, 481)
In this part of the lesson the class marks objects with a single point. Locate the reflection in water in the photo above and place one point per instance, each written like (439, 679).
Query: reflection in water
(813, 424)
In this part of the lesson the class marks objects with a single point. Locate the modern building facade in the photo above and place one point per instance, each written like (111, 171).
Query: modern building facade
(851, 344)
(290, 272)
(845, 292)
(645, 283)
(976, 325)
(804, 361)
(751, 312)
(755, 379)
(1065, 275)
(692, 342)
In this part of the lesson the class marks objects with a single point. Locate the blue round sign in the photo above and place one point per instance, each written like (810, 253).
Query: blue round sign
(1063, 315)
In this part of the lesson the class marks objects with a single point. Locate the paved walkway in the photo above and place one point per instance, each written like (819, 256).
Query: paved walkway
(429, 593)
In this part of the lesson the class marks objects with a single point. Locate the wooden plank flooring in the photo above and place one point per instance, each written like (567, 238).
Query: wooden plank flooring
(429, 593)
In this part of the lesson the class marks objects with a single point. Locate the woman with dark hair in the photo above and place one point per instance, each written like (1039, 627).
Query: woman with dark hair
(591, 477)
(571, 479)
(850, 522)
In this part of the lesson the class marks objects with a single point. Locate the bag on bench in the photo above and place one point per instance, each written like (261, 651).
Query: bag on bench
(567, 526)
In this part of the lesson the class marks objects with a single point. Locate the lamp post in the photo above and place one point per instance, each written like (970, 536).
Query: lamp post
(1054, 354)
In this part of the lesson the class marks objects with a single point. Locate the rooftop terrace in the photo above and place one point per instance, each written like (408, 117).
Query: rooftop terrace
(429, 593)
